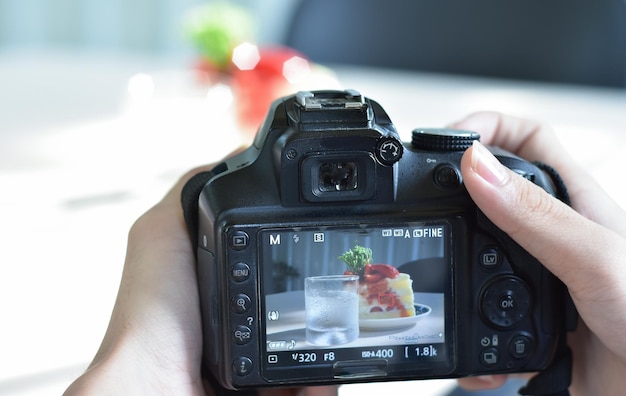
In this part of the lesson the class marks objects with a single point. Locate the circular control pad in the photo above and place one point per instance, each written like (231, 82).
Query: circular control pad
(505, 301)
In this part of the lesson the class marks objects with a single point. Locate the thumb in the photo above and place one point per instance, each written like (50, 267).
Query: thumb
(583, 254)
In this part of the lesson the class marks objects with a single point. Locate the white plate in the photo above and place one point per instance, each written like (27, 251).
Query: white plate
(395, 323)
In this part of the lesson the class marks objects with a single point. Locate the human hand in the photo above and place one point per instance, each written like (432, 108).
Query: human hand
(153, 344)
(584, 246)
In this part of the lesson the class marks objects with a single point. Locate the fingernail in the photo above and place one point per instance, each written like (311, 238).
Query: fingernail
(487, 166)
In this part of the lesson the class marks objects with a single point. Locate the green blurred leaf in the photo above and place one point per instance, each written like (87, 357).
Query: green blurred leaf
(216, 28)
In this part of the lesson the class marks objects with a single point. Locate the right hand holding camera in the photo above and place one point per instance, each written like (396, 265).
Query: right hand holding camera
(584, 245)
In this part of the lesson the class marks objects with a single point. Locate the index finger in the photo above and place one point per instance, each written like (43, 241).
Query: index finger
(535, 141)
(527, 138)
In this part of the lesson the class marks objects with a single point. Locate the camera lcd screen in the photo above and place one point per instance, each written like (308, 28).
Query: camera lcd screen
(358, 294)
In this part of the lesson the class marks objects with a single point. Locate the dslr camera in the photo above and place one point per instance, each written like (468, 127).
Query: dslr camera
(330, 252)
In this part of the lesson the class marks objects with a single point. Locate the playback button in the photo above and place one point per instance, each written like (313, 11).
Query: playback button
(239, 240)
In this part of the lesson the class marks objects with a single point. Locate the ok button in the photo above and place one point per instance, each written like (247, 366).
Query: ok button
(507, 303)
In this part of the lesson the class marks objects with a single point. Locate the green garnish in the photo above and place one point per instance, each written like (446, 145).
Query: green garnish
(357, 258)
(217, 28)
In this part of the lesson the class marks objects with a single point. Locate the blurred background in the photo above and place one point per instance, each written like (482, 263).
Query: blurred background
(104, 104)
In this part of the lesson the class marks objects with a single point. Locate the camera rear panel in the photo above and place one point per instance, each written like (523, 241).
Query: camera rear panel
(489, 324)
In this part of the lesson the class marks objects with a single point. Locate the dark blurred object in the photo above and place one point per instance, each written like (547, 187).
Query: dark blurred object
(563, 41)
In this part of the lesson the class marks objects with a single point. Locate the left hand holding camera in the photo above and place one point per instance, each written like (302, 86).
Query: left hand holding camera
(154, 341)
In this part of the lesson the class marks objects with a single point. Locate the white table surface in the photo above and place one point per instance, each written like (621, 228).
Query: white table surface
(79, 161)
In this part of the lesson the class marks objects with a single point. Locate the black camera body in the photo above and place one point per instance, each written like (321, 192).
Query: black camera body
(327, 174)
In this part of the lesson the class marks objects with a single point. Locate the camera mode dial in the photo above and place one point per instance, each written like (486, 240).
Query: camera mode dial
(443, 139)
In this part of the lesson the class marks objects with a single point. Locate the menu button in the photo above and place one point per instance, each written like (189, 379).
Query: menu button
(240, 272)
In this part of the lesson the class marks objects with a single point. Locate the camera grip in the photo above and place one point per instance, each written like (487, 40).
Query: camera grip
(189, 200)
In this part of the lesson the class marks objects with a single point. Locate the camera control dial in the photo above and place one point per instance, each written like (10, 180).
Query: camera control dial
(432, 139)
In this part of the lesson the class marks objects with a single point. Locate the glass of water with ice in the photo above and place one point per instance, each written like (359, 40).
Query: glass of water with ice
(332, 309)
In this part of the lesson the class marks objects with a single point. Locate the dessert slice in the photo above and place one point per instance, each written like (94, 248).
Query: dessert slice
(384, 292)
